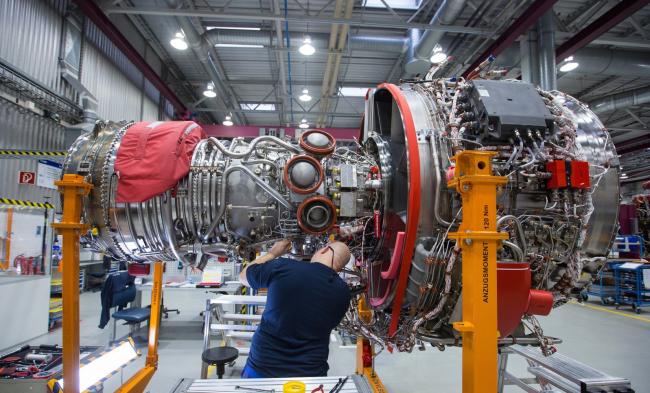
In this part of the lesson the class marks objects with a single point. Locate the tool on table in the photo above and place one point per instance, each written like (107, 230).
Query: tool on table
(294, 387)
(339, 385)
(318, 389)
(254, 389)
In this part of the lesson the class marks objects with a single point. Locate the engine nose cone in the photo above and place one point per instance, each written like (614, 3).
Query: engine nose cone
(318, 140)
(303, 174)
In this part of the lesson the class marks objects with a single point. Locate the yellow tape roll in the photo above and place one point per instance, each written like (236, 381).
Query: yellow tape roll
(294, 387)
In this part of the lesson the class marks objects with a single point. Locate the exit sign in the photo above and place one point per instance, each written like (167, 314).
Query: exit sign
(26, 177)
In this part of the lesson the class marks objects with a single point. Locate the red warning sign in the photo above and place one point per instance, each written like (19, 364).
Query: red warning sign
(26, 177)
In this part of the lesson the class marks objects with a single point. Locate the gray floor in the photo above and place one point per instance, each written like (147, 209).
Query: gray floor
(616, 344)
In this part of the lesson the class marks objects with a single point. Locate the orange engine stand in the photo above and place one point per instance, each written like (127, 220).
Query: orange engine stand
(478, 239)
(73, 188)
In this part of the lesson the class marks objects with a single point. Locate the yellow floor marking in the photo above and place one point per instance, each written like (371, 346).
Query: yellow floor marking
(604, 309)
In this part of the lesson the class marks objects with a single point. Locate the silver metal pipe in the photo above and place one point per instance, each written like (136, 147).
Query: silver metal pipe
(203, 50)
(546, 42)
(439, 183)
(224, 186)
(519, 255)
(279, 56)
(521, 239)
(419, 62)
(265, 138)
(621, 100)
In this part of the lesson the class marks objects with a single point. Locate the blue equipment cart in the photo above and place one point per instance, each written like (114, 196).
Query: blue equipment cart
(603, 285)
(632, 285)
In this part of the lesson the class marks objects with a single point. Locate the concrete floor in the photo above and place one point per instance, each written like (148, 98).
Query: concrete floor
(616, 342)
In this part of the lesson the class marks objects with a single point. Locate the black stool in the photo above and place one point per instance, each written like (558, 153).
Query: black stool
(219, 356)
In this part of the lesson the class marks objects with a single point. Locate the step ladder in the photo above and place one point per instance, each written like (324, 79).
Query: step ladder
(231, 326)
(557, 373)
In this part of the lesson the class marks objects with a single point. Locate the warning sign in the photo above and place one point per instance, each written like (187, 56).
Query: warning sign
(26, 177)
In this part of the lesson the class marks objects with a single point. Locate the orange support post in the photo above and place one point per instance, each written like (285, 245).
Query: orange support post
(366, 352)
(10, 217)
(138, 382)
(478, 238)
(73, 188)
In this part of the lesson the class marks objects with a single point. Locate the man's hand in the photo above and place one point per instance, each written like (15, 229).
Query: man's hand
(280, 247)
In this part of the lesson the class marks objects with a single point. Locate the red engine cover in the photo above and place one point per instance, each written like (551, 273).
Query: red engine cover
(515, 298)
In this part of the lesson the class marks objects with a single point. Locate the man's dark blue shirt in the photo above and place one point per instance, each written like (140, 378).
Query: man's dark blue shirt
(305, 302)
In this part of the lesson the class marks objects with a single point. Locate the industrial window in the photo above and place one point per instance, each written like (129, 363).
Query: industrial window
(353, 91)
(257, 106)
(398, 4)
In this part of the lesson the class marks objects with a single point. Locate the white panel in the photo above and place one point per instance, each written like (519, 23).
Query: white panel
(26, 315)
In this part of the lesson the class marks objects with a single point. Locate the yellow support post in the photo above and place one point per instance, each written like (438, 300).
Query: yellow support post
(73, 188)
(138, 382)
(478, 239)
(364, 350)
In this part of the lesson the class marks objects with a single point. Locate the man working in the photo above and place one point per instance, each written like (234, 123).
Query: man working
(305, 302)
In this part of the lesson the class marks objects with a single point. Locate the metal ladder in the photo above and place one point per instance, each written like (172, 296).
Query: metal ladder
(230, 325)
(557, 373)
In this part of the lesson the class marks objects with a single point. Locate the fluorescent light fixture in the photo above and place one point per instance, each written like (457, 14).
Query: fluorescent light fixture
(104, 365)
(568, 64)
(307, 48)
(227, 121)
(239, 46)
(305, 97)
(209, 91)
(303, 124)
(438, 55)
(353, 91)
(232, 28)
(256, 106)
(178, 42)
(395, 4)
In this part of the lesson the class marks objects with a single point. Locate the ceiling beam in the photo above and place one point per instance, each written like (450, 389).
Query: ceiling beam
(231, 16)
(621, 11)
(251, 111)
(627, 129)
(522, 24)
(95, 14)
(632, 145)
(636, 118)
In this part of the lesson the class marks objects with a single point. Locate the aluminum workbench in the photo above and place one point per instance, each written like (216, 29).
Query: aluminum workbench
(354, 384)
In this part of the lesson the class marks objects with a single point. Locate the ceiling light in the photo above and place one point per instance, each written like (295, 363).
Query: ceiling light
(305, 97)
(232, 28)
(227, 121)
(303, 124)
(307, 48)
(568, 64)
(209, 91)
(178, 41)
(438, 55)
(239, 46)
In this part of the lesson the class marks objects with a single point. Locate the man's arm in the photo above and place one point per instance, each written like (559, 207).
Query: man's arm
(280, 247)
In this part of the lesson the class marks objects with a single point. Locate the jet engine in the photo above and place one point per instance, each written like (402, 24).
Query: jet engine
(387, 198)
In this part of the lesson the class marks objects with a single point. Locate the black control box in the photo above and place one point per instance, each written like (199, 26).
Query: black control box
(501, 107)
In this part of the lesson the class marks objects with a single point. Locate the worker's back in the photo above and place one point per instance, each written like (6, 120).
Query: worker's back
(305, 302)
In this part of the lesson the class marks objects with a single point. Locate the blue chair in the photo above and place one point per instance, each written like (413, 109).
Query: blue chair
(132, 316)
(118, 291)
